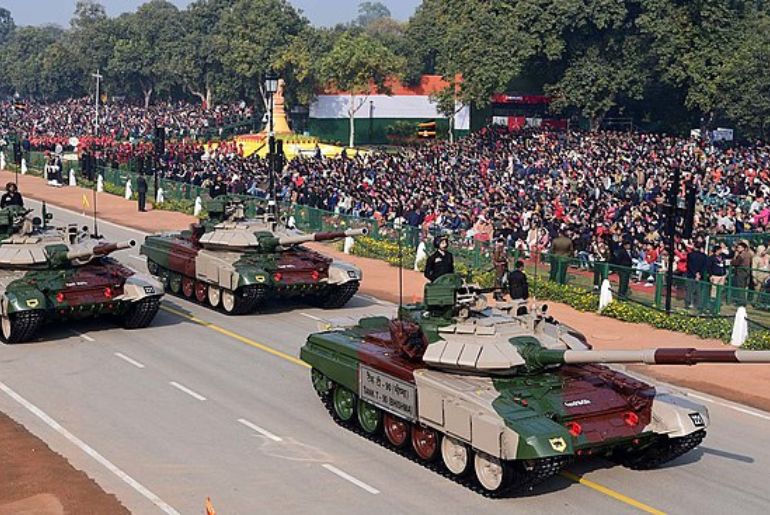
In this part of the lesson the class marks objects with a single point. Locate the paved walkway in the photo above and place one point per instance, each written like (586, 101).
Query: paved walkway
(749, 384)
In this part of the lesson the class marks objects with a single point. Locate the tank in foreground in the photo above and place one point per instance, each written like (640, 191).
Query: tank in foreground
(237, 264)
(501, 402)
(58, 274)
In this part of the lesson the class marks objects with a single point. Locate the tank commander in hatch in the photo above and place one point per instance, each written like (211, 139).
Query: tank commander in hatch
(11, 197)
(441, 262)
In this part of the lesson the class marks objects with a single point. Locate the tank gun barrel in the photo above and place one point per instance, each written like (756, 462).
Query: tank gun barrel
(321, 236)
(674, 356)
(100, 250)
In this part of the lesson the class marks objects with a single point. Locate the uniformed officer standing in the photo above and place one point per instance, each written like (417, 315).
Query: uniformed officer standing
(141, 191)
(440, 262)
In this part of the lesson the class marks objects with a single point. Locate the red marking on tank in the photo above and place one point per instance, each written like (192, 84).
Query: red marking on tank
(631, 419)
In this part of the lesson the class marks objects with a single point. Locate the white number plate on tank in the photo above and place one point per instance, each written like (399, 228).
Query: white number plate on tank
(387, 392)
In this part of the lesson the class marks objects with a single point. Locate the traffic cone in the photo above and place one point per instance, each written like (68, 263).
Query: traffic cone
(210, 507)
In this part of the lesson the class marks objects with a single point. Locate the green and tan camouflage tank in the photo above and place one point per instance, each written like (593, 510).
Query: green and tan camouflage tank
(51, 274)
(501, 401)
(236, 264)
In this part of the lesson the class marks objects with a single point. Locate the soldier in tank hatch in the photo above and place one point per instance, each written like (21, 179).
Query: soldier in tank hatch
(440, 262)
(11, 197)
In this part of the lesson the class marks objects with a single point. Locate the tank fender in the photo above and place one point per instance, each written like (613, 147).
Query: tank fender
(216, 270)
(22, 300)
(341, 273)
(138, 287)
(467, 409)
(676, 415)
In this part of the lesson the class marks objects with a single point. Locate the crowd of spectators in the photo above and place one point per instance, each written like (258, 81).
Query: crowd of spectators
(46, 125)
(599, 189)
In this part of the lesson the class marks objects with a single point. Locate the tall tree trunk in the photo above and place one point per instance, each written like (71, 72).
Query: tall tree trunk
(147, 96)
(452, 128)
(209, 96)
(352, 112)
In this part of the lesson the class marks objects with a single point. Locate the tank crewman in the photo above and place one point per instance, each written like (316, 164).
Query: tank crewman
(141, 190)
(219, 188)
(440, 262)
(11, 197)
(500, 262)
(518, 286)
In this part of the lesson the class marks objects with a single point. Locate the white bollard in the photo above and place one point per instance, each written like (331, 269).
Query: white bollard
(129, 192)
(292, 223)
(2, 160)
(348, 246)
(100, 184)
(73, 179)
(23, 166)
(198, 206)
(740, 328)
(420, 257)
(605, 295)
(159, 198)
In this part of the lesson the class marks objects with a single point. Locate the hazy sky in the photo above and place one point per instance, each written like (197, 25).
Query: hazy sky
(319, 12)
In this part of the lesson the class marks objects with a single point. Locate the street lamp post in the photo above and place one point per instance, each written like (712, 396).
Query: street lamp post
(98, 76)
(271, 86)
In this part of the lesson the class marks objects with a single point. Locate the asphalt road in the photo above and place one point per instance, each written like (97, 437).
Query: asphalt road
(203, 405)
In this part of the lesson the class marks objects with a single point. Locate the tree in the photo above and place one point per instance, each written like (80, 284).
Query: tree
(448, 105)
(252, 36)
(22, 59)
(145, 47)
(89, 41)
(6, 24)
(359, 65)
(744, 88)
(369, 12)
(196, 61)
(690, 42)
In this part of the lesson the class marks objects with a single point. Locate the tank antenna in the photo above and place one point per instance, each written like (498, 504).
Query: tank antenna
(398, 226)
(96, 227)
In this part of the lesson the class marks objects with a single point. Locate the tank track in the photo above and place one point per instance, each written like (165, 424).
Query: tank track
(250, 299)
(662, 452)
(142, 313)
(522, 481)
(338, 296)
(26, 324)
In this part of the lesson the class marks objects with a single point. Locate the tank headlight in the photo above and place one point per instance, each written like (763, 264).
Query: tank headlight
(630, 419)
(352, 274)
(574, 428)
(277, 277)
(60, 297)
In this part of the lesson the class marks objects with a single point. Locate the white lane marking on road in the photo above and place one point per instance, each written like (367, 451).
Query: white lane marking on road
(157, 501)
(138, 258)
(730, 406)
(129, 360)
(84, 336)
(187, 390)
(262, 431)
(373, 299)
(348, 477)
(313, 317)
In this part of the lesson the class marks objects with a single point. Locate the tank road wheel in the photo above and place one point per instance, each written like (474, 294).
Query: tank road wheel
(321, 383)
(215, 295)
(188, 287)
(175, 283)
(455, 455)
(425, 443)
(493, 474)
(141, 313)
(20, 327)
(229, 301)
(201, 292)
(344, 402)
(369, 417)
(153, 267)
(396, 430)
